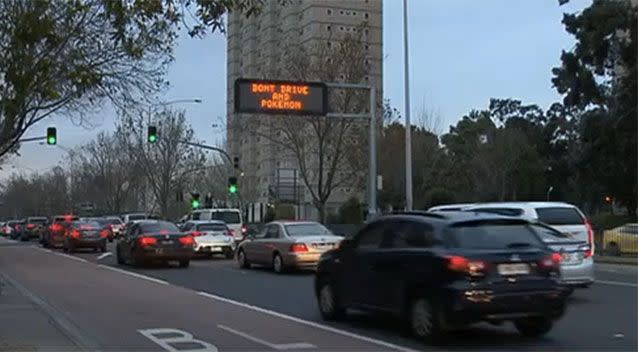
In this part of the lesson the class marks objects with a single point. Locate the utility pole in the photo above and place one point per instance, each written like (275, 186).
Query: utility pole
(408, 125)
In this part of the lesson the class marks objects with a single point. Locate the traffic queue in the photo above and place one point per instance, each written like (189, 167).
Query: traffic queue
(438, 270)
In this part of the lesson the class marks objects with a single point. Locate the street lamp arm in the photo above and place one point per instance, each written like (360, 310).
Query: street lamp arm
(209, 147)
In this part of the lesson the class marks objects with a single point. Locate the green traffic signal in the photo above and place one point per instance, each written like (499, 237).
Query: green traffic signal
(152, 134)
(195, 204)
(232, 185)
(232, 189)
(51, 136)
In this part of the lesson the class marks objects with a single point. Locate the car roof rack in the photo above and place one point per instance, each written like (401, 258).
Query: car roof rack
(418, 212)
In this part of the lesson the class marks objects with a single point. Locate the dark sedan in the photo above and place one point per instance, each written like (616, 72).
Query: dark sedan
(154, 240)
(54, 236)
(444, 272)
(84, 234)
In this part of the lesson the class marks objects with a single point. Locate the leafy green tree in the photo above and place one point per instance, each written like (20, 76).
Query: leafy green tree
(599, 78)
(69, 57)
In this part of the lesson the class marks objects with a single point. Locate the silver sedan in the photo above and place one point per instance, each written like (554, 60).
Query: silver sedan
(286, 245)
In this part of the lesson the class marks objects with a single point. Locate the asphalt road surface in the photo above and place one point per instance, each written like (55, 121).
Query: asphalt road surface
(116, 307)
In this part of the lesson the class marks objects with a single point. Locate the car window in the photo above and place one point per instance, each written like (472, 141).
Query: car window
(136, 217)
(211, 227)
(272, 231)
(261, 234)
(494, 235)
(301, 230)
(227, 216)
(559, 216)
(187, 227)
(87, 224)
(500, 211)
(370, 237)
(160, 226)
(196, 216)
(408, 234)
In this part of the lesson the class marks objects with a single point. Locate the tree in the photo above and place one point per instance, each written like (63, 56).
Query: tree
(68, 57)
(599, 78)
(328, 152)
(167, 163)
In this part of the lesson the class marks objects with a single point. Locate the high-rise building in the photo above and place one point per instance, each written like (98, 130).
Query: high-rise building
(255, 49)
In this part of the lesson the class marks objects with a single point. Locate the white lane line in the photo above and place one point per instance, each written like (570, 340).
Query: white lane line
(130, 273)
(71, 257)
(308, 323)
(279, 347)
(616, 283)
(42, 249)
(104, 255)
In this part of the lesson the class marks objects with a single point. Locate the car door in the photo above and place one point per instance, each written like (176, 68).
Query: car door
(125, 243)
(358, 289)
(266, 245)
(251, 246)
(402, 260)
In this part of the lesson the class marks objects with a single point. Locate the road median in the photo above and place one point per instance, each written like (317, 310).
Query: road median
(615, 260)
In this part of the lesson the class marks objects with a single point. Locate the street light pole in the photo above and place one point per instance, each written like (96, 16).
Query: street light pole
(408, 125)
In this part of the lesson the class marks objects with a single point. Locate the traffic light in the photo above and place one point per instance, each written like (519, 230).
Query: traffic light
(52, 136)
(195, 200)
(232, 185)
(236, 163)
(152, 134)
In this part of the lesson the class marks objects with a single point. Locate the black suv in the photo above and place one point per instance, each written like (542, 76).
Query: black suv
(441, 272)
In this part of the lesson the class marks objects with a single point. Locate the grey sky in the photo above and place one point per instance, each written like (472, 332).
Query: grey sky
(462, 52)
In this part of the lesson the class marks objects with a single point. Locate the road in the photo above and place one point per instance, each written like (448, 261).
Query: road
(236, 309)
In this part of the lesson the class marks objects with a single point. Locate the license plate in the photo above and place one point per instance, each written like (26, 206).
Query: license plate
(215, 249)
(570, 258)
(513, 269)
(167, 242)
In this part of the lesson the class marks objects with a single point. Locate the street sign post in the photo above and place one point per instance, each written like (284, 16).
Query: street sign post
(280, 97)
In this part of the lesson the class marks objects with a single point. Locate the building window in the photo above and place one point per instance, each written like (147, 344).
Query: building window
(329, 44)
(341, 12)
(341, 28)
(366, 15)
(329, 11)
(367, 47)
(367, 32)
(329, 28)
(354, 13)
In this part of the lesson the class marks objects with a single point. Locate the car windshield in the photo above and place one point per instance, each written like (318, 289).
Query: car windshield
(133, 217)
(301, 230)
(500, 211)
(212, 227)
(494, 235)
(559, 216)
(229, 217)
(86, 225)
(159, 227)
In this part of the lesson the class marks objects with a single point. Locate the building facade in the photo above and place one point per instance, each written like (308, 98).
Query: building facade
(256, 47)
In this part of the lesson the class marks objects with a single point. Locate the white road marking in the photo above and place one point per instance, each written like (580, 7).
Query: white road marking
(279, 347)
(183, 337)
(70, 257)
(616, 283)
(104, 255)
(130, 273)
(307, 322)
(42, 249)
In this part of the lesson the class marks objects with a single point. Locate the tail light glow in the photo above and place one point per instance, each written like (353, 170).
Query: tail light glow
(590, 239)
(298, 247)
(187, 240)
(195, 233)
(75, 234)
(464, 265)
(243, 228)
(30, 226)
(104, 233)
(146, 241)
(551, 261)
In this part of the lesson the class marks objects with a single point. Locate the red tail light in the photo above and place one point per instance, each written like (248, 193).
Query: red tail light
(464, 265)
(298, 247)
(195, 233)
(146, 241)
(187, 240)
(30, 226)
(75, 234)
(243, 229)
(228, 233)
(104, 233)
(590, 239)
(551, 261)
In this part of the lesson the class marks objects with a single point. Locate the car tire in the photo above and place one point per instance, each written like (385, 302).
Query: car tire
(118, 255)
(184, 263)
(329, 303)
(423, 320)
(533, 327)
(278, 264)
(242, 260)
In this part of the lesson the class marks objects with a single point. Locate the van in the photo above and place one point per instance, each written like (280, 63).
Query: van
(232, 218)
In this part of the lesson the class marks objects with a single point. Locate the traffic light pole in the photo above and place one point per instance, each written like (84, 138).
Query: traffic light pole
(32, 139)
(209, 147)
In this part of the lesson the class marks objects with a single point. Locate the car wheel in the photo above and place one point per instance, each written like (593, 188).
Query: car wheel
(184, 263)
(118, 255)
(613, 249)
(423, 319)
(329, 304)
(533, 327)
(278, 264)
(242, 260)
